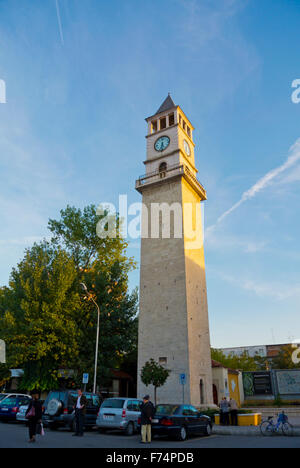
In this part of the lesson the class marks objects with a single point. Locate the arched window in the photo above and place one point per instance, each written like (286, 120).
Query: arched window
(163, 167)
(202, 392)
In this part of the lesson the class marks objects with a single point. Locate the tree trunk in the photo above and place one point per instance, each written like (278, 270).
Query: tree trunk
(155, 389)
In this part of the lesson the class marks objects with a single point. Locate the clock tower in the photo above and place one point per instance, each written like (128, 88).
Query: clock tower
(173, 319)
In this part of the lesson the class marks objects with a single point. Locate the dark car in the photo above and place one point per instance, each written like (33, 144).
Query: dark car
(10, 406)
(180, 421)
(59, 409)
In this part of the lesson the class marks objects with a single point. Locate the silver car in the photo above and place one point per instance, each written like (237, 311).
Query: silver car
(119, 413)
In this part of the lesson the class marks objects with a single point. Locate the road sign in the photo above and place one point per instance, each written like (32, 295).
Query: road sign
(85, 379)
(183, 379)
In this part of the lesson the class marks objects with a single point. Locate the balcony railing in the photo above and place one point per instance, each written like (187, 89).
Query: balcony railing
(170, 172)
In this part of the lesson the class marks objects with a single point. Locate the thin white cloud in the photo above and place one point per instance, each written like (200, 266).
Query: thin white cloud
(22, 241)
(277, 291)
(226, 242)
(262, 183)
(59, 23)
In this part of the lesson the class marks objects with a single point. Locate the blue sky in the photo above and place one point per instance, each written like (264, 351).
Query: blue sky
(80, 81)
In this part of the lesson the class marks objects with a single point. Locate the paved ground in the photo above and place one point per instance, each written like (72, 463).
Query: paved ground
(15, 436)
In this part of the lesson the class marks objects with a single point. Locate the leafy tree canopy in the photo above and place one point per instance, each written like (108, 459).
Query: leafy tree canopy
(47, 320)
(288, 358)
(154, 374)
(244, 362)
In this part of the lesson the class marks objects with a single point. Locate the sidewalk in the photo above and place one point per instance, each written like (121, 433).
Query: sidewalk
(250, 430)
(295, 422)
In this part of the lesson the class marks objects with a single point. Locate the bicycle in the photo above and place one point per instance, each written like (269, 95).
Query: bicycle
(269, 428)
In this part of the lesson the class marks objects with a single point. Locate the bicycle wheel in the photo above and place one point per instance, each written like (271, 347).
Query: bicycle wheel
(266, 428)
(287, 429)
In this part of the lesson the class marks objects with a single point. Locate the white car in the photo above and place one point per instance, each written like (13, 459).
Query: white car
(21, 415)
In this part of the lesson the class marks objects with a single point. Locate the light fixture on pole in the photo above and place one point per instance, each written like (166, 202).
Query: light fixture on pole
(97, 336)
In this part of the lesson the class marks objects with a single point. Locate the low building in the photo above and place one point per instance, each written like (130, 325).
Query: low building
(227, 383)
(263, 351)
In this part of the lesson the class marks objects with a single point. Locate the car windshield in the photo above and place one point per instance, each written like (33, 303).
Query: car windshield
(166, 409)
(92, 400)
(11, 401)
(117, 404)
(2, 396)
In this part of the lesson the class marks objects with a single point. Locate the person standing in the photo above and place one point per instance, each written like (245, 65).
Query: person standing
(224, 407)
(34, 415)
(147, 413)
(80, 411)
(233, 412)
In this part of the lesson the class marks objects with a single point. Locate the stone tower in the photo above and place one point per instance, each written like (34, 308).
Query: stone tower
(173, 322)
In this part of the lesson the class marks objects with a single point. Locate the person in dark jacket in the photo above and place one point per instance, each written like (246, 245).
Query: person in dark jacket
(80, 412)
(147, 413)
(34, 415)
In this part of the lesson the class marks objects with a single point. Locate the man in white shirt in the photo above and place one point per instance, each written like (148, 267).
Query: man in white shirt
(80, 410)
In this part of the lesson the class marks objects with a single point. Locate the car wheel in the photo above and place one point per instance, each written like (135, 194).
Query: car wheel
(208, 430)
(129, 429)
(182, 434)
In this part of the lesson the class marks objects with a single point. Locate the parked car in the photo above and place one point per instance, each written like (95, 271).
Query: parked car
(10, 406)
(119, 413)
(59, 409)
(180, 421)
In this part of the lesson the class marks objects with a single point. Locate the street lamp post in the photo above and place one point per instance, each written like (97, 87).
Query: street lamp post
(97, 336)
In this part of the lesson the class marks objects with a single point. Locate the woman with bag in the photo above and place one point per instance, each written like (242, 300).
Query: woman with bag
(34, 415)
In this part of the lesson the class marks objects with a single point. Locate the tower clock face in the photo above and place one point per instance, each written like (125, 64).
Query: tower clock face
(187, 148)
(162, 143)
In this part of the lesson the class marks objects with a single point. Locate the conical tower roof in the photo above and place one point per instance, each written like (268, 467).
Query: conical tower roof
(166, 105)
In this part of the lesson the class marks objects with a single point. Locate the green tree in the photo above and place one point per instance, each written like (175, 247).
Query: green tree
(5, 374)
(285, 358)
(47, 320)
(103, 265)
(243, 362)
(154, 374)
(39, 319)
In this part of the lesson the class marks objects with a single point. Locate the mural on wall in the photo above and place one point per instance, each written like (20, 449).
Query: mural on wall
(257, 383)
(288, 382)
(248, 382)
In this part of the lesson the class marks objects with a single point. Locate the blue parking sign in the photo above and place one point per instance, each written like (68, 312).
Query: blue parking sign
(183, 379)
(85, 379)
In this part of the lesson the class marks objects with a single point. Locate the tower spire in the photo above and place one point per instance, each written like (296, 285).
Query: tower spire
(166, 105)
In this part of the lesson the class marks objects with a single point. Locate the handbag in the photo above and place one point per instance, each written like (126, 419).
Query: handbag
(31, 413)
(40, 430)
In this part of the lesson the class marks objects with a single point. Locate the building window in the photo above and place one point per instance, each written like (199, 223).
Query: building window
(171, 120)
(184, 125)
(201, 392)
(154, 126)
(163, 123)
(163, 167)
(163, 361)
(189, 131)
